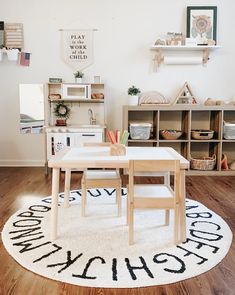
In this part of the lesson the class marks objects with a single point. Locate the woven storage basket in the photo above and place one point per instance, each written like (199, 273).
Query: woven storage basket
(169, 134)
(203, 163)
(202, 134)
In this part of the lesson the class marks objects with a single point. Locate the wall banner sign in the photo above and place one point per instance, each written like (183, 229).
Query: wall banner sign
(77, 48)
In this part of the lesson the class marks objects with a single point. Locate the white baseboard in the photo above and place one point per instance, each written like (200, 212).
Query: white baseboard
(20, 163)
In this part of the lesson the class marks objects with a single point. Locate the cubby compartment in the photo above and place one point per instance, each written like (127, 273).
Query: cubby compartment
(144, 117)
(97, 91)
(174, 120)
(54, 91)
(229, 125)
(205, 150)
(207, 120)
(228, 149)
(180, 147)
(229, 116)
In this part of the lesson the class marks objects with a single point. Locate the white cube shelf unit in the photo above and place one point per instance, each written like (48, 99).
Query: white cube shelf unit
(186, 118)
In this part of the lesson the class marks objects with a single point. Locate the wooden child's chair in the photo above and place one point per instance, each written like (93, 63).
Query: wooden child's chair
(100, 179)
(153, 196)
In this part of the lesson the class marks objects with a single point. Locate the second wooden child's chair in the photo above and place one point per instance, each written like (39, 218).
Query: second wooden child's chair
(100, 179)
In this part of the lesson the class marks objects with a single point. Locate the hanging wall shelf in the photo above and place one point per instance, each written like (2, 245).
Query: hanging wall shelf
(181, 54)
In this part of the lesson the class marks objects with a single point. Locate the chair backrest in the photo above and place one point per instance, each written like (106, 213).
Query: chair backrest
(96, 144)
(155, 166)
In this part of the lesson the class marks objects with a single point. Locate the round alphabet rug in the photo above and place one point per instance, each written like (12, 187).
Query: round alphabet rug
(93, 250)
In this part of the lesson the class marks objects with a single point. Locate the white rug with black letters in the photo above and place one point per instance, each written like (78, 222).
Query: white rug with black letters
(93, 251)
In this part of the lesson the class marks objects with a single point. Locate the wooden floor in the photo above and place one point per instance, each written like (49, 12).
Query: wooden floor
(19, 185)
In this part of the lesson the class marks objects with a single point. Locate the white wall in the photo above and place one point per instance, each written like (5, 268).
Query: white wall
(126, 30)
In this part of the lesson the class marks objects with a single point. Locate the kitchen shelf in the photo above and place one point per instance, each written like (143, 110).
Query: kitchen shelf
(78, 100)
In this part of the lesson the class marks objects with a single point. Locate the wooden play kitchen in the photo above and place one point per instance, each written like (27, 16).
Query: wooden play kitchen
(85, 103)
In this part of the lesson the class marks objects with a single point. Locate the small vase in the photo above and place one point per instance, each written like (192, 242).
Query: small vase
(133, 100)
(78, 80)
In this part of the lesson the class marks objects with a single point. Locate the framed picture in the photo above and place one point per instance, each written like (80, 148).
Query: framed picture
(201, 23)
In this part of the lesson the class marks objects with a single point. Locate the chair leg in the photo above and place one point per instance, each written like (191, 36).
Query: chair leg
(167, 178)
(176, 225)
(119, 199)
(167, 217)
(127, 208)
(182, 223)
(116, 200)
(131, 224)
(182, 207)
(84, 192)
(67, 187)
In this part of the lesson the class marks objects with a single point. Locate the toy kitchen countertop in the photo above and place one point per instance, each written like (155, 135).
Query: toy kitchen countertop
(76, 128)
(60, 137)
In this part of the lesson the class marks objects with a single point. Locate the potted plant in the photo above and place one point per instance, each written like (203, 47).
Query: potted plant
(78, 76)
(61, 111)
(133, 95)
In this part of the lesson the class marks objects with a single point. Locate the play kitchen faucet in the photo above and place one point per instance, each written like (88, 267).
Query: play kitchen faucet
(91, 117)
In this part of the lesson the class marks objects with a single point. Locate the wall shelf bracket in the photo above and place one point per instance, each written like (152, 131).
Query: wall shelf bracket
(158, 59)
(206, 54)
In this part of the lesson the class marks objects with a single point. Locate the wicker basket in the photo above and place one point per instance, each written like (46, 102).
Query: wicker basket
(202, 134)
(169, 134)
(203, 163)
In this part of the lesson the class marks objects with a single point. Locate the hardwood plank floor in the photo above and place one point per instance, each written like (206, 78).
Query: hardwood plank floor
(20, 185)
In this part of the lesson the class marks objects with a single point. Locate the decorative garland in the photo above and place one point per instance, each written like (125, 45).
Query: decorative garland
(61, 110)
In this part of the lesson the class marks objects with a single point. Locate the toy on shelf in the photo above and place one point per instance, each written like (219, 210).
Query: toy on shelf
(185, 96)
(224, 162)
(213, 102)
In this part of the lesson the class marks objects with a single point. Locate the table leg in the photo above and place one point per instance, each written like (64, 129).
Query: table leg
(182, 207)
(54, 204)
(67, 187)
